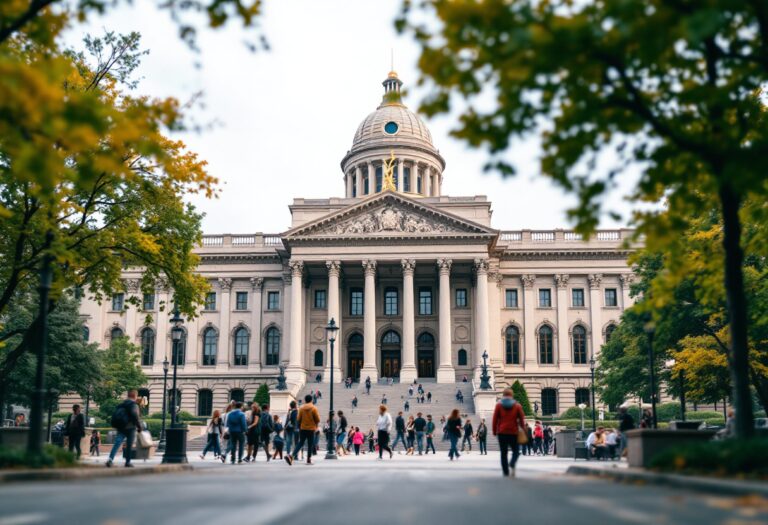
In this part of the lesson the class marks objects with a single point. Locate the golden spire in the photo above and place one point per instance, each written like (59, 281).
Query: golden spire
(389, 173)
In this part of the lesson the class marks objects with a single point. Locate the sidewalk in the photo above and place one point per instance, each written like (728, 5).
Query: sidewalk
(88, 470)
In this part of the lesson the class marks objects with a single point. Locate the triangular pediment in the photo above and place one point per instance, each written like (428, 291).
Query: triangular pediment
(389, 215)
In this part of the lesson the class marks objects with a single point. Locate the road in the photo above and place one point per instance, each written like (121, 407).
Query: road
(405, 490)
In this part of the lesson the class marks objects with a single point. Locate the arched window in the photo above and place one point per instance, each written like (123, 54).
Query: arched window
(210, 344)
(582, 396)
(147, 347)
(241, 346)
(579, 344)
(546, 353)
(204, 402)
(237, 394)
(144, 398)
(391, 337)
(181, 349)
(462, 357)
(86, 334)
(318, 357)
(609, 332)
(273, 347)
(512, 346)
(548, 401)
(115, 334)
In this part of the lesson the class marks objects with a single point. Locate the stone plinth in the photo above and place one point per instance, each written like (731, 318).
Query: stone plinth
(645, 443)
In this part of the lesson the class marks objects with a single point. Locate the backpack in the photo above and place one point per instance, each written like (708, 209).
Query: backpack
(120, 418)
(266, 425)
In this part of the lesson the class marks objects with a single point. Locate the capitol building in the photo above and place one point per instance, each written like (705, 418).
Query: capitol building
(421, 284)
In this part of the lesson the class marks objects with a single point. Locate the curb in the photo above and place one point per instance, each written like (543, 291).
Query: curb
(697, 483)
(64, 474)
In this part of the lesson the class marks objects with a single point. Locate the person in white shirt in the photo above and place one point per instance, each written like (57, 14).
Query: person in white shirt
(612, 441)
(384, 426)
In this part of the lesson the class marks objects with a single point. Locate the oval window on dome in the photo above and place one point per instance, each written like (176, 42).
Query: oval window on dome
(391, 127)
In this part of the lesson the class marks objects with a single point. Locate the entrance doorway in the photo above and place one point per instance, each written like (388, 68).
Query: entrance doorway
(425, 351)
(390, 354)
(354, 356)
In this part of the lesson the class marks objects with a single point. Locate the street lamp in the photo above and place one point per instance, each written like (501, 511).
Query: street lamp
(176, 436)
(649, 330)
(330, 331)
(670, 363)
(582, 406)
(166, 365)
(592, 387)
(485, 383)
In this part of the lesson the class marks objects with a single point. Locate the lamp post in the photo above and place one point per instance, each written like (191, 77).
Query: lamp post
(331, 330)
(582, 406)
(670, 363)
(592, 388)
(176, 436)
(485, 384)
(166, 365)
(649, 330)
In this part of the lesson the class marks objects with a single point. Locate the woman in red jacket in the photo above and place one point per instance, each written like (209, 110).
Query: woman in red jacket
(508, 418)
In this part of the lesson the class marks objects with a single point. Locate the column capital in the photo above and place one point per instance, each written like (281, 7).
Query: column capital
(369, 267)
(481, 265)
(595, 279)
(256, 283)
(409, 265)
(225, 283)
(561, 280)
(528, 280)
(496, 277)
(297, 268)
(444, 265)
(131, 285)
(334, 267)
(162, 285)
(626, 280)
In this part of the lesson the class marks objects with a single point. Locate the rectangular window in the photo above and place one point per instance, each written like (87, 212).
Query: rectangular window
(425, 301)
(354, 188)
(577, 297)
(367, 185)
(241, 301)
(418, 183)
(610, 297)
(545, 298)
(379, 179)
(118, 301)
(356, 301)
(273, 300)
(406, 178)
(510, 298)
(210, 301)
(148, 303)
(390, 301)
(461, 297)
(320, 299)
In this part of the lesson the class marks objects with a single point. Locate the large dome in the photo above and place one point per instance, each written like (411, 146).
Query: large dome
(377, 129)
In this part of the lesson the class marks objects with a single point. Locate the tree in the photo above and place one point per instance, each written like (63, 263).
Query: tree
(120, 371)
(518, 390)
(671, 87)
(262, 395)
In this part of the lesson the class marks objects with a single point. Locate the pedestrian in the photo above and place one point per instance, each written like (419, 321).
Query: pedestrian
(429, 397)
(368, 385)
(318, 378)
(508, 419)
(384, 399)
(371, 440)
(308, 420)
(444, 427)
(482, 436)
(384, 427)
(626, 423)
(354, 402)
(538, 439)
(125, 419)
(341, 435)
(400, 432)
(252, 419)
(74, 429)
(547, 439)
(464, 379)
(357, 440)
(411, 436)
(277, 442)
(95, 443)
(468, 431)
(646, 421)
(611, 440)
(419, 426)
(529, 436)
(422, 399)
(214, 430)
(236, 427)
(430, 434)
(291, 430)
(410, 391)
(453, 430)
(266, 427)
(407, 406)
(421, 389)
(225, 441)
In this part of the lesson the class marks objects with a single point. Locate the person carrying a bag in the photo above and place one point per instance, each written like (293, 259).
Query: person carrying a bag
(509, 426)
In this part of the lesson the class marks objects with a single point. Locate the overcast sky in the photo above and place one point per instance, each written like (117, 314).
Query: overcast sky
(285, 118)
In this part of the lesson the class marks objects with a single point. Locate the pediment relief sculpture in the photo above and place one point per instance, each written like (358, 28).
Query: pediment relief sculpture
(387, 219)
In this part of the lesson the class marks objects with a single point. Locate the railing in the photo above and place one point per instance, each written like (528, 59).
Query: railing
(257, 240)
(213, 240)
(511, 236)
(551, 236)
(543, 236)
(573, 236)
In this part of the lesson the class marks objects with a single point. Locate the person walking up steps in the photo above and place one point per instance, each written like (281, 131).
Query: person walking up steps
(453, 429)
(508, 419)
(384, 427)
(400, 432)
(368, 385)
(308, 420)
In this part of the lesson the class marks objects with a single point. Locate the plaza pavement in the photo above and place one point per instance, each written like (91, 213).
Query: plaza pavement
(362, 490)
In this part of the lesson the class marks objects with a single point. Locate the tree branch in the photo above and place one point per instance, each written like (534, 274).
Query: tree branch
(34, 8)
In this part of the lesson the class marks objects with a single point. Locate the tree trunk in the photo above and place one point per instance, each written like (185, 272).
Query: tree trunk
(737, 312)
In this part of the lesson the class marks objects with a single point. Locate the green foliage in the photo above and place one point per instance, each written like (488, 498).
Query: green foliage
(262, 395)
(721, 458)
(121, 371)
(181, 416)
(107, 408)
(575, 413)
(52, 457)
(521, 396)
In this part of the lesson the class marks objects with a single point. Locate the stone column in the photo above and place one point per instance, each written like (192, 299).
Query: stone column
(371, 179)
(626, 281)
(408, 372)
(348, 182)
(425, 181)
(400, 175)
(359, 180)
(437, 187)
(254, 346)
(162, 342)
(370, 368)
(482, 318)
(334, 312)
(131, 313)
(222, 357)
(563, 354)
(295, 364)
(445, 372)
(595, 307)
(529, 323)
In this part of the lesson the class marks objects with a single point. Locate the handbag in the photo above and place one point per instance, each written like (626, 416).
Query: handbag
(522, 436)
(145, 439)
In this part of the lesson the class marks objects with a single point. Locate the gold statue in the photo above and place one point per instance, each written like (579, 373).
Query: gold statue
(389, 173)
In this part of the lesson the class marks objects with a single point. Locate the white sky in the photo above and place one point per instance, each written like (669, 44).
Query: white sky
(285, 118)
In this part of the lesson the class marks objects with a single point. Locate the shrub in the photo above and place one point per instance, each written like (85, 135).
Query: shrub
(575, 413)
(721, 458)
(262, 395)
(107, 408)
(52, 456)
(522, 397)
(181, 416)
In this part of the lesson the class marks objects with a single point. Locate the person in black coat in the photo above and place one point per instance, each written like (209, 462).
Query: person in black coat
(74, 429)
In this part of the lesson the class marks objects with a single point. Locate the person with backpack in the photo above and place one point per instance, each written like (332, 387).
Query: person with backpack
(252, 434)
(266, 427)
(291, 432)
(74, 429)
(236, 427)
(125, 419)
(308, 420)
(214, 430)
(508, 420)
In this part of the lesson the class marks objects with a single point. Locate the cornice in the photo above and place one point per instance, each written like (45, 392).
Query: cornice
(561, 255)
(239, 258)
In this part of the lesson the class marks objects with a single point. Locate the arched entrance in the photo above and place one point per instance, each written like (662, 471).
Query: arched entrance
(354, 356)
(425, 355)
(390, 354)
